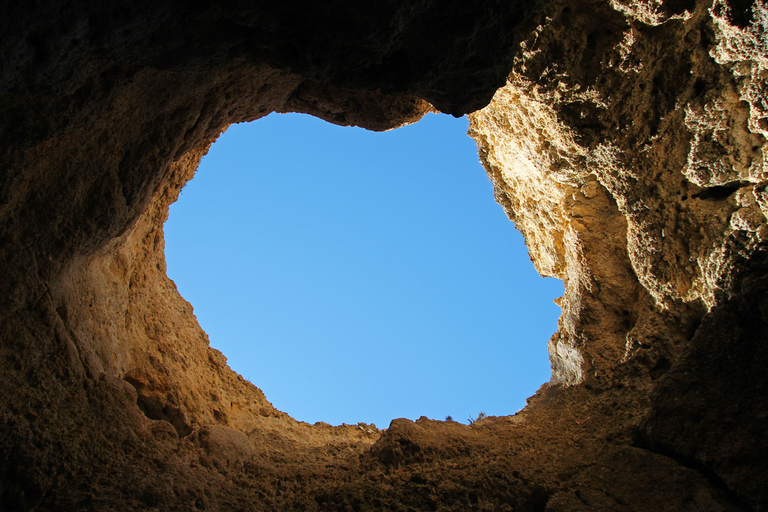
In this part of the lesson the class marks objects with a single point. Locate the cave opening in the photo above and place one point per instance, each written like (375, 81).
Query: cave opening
(357, 276)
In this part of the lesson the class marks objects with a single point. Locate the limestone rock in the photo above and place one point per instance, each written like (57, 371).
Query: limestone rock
(627, 146)
(224, 445)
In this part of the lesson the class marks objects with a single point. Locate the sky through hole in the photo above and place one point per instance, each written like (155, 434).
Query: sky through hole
(360, 277)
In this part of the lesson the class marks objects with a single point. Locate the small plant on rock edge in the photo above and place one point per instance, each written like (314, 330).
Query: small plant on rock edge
(479, 417)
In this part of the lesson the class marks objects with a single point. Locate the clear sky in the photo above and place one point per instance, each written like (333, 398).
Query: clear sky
(360, 277)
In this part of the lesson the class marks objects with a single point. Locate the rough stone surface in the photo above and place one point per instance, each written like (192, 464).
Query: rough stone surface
(627, 145)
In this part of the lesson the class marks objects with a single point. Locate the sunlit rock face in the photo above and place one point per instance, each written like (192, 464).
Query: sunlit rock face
(629, 153)
(627, 146)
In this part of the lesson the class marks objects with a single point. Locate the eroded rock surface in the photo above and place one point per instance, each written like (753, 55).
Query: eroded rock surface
(627, 145)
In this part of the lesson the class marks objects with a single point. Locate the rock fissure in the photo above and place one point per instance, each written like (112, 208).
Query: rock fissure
(706, 472)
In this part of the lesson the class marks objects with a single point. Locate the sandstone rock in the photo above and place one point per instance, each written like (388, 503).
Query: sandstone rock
(224, 445)
(627, 146)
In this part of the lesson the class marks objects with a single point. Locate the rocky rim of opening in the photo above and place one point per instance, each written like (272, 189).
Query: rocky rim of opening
(627, 146)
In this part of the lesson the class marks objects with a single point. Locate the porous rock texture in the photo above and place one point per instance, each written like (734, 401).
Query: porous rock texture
(627, 145)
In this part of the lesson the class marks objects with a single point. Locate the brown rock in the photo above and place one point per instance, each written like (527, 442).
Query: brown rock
(627, 145)
(223, 445)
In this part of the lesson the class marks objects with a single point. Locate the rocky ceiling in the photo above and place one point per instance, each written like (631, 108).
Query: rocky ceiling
(625, 138)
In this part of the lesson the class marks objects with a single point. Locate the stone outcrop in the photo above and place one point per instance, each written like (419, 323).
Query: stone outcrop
(627, 145)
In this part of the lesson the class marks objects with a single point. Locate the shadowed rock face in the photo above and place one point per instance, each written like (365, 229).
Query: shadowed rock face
(627, 146)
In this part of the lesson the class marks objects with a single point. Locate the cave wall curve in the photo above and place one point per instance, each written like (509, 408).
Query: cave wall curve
(627, 146)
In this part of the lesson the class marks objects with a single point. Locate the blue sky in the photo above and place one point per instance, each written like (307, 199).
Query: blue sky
(359, 276)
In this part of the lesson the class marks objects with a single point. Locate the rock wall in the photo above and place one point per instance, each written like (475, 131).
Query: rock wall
(627, 146)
